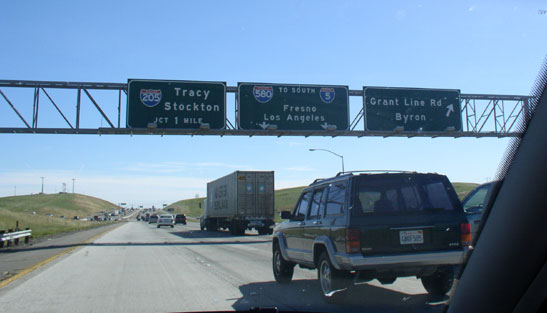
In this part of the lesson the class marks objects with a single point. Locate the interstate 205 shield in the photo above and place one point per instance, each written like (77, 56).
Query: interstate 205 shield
(150, 97)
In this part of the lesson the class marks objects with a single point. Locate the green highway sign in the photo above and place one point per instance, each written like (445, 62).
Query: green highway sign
(176, 104)
(411, 109)
(292, 107)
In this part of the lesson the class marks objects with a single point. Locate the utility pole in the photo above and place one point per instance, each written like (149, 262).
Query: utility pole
(73, 184)
(42, 184)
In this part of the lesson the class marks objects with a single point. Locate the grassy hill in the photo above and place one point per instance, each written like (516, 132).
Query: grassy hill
(22, 208)
(462, 189)
(285, 199)
(189, 207)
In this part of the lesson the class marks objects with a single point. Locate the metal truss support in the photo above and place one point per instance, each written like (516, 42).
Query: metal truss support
(119, 106)
(250, 133)
(469, 110)
(229, 124)
(56, 107)
(482, 115)
(98, 108)
(356, 120)
(78, 102)
(14, 109)
(35, 106)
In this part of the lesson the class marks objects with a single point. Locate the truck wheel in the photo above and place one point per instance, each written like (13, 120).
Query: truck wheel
(333, 283)
(282, 269)
(158, 226)
(440, 283)
(233, 228)
(237, 228)
(211, 225)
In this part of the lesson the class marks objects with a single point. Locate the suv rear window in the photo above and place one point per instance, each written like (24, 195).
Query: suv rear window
(399, 193)
(335, 200)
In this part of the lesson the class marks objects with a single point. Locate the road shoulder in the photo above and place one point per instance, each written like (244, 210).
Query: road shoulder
(16, 263)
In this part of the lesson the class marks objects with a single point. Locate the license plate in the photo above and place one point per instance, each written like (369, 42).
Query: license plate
(410, 237)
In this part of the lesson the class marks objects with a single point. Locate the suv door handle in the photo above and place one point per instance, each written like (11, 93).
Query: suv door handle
(317, 223)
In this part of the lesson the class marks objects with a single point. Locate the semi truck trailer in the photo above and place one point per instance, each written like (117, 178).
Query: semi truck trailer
(242, 200)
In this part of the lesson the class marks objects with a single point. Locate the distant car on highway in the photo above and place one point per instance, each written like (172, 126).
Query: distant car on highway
(166, 220)
(153, 219)
(476, 202)
(180, 219)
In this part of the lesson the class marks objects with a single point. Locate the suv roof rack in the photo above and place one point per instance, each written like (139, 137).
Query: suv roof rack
(373, 171)
(318, 179)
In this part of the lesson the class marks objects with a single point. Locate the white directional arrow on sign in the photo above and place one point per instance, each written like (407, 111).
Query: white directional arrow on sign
(325, 126)
(264, 125)
(450, 109)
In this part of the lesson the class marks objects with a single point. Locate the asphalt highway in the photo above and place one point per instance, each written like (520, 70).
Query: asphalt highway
(137, 267)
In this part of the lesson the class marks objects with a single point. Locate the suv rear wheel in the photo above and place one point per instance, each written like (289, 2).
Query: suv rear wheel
(333, 282)
(282, 269)
(439, 283)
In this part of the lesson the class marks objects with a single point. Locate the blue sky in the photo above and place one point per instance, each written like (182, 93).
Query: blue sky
(492, 47)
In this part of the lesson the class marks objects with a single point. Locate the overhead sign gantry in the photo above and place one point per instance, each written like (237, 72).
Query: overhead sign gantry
(176, 107)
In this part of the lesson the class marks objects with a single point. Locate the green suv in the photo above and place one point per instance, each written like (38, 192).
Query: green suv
(366, 225)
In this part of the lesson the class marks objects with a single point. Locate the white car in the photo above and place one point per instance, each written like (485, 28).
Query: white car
(166, 220)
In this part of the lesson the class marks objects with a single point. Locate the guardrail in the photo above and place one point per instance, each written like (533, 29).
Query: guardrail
(12, 237)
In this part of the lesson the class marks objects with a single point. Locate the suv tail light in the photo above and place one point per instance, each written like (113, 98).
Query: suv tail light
(353, 240)
(465, 230)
